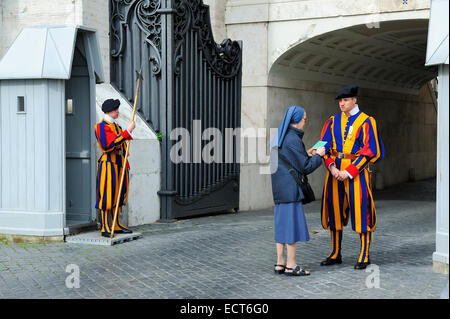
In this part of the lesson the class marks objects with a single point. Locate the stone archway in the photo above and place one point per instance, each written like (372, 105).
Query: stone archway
(387, 63)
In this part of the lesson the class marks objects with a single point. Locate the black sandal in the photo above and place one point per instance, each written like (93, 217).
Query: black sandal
(296, 272)
(279, 271)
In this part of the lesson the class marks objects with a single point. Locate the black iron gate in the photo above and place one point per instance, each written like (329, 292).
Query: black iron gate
(191, 94)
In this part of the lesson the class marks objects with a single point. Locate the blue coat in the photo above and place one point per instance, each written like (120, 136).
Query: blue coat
(284, 186)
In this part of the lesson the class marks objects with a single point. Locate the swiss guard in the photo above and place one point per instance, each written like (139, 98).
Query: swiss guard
(111, 140)
(353, 143)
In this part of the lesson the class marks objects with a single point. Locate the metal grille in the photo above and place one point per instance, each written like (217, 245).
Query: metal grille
(190, 82)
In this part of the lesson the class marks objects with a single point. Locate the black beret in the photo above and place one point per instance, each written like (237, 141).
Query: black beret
(348, 91)
(110, 105)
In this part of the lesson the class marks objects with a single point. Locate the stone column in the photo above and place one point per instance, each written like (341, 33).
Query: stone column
(217, 15)
(1, 29)
(249, 23)
(440, 256)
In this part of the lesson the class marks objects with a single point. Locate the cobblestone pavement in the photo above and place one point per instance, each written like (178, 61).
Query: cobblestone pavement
(232, 255)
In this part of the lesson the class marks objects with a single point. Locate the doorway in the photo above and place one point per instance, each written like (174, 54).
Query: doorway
(79, 201)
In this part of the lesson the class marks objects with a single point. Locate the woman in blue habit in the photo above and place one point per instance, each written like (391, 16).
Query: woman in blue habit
(289, 217)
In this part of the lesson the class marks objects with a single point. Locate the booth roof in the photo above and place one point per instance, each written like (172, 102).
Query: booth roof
(46, 52)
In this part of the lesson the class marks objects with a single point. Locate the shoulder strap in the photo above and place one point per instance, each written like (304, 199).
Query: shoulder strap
(292, 170)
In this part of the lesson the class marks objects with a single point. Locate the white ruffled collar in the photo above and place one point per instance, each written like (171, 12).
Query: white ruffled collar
(109, 119)
(355, 110)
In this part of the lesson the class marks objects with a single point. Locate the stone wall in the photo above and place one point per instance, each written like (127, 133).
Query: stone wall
(18, 14)
(15, 15)
(96, 15)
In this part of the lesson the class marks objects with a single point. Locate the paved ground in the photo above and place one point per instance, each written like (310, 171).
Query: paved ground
(232, 256)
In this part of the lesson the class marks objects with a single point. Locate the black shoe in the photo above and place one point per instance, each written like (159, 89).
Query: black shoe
(106, 234)
(279, 271)
(297, 271)
(362, 265)
(123, 231)
(331, 261)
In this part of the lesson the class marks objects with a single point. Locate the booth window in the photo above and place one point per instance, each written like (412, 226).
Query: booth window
(21, 104)
(69, 107)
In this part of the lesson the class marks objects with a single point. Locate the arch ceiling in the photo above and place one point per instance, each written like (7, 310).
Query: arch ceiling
(391, 57)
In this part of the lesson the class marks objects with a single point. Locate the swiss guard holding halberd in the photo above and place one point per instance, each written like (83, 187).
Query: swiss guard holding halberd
(111, 140)
(353, 143)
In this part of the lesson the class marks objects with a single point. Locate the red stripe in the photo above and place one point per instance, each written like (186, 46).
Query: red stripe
(352, 170)
(328, 161)
(369, 213)
(126, 135)
(97, 127)
(324, 128)
(366, 151)
(110, 135)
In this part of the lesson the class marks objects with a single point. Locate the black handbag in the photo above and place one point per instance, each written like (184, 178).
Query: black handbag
(307, 191)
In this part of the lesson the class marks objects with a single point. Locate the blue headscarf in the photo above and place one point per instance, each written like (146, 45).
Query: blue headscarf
(294, 114)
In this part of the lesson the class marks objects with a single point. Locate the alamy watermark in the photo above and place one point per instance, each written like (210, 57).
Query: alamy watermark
(213, 145)
(373, 279)
(73, 280)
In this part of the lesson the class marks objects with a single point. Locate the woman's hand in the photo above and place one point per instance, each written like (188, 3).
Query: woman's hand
(311, 152)
(321, 151)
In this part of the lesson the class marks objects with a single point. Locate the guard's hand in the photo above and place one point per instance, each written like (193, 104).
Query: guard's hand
(334, 171)
(342, 176)
(321, 151)
(131, 126)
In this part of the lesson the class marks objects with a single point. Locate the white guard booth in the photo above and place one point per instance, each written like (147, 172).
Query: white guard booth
(47, 141)
(437, 54)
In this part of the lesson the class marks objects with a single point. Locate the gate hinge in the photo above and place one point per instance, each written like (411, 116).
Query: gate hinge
(167, 193)
(166, 11)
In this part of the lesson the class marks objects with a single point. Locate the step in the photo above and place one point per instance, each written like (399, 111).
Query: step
(96, 238)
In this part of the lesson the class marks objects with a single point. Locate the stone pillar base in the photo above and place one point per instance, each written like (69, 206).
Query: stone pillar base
(28, 239)
(440, 267)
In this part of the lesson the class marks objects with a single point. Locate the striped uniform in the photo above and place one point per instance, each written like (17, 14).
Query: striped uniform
(111, 140)
(356, 135)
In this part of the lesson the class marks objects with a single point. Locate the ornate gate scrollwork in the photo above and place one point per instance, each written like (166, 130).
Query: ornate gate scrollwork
(224, 59)
(135, 42)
